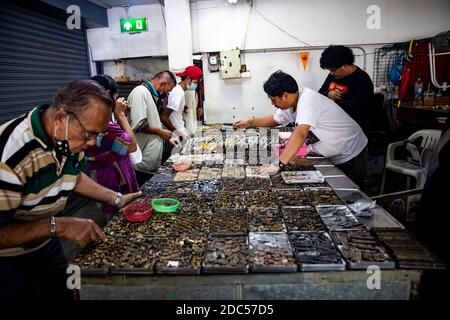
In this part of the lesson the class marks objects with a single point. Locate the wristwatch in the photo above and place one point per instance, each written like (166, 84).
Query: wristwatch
(52, 226)
(117, 199)
(281, 165)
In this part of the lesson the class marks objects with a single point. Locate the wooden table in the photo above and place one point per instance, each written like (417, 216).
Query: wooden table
(420, 117)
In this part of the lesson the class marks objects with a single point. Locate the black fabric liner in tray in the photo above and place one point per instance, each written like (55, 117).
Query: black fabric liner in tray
(310, 266)
(272, 268)
(226, 269)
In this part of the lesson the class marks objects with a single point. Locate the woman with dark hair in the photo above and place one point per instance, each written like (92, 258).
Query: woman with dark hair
(347, 85)
(108, 162)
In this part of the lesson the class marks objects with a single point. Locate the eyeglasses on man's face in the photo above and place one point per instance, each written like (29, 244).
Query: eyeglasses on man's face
(87, 135)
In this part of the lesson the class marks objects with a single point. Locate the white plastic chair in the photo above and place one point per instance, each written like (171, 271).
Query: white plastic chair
(412, 166)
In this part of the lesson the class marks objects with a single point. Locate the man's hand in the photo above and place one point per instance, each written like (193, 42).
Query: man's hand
(165, 134)
(80, 231)
(243, 124)
(174, 141)
(334, 95)
(269, 169)
(127, 198)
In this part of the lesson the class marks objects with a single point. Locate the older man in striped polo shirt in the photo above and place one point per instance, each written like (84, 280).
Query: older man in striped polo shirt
(41, 158)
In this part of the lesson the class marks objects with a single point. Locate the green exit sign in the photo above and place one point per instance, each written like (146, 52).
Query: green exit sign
(133, 25)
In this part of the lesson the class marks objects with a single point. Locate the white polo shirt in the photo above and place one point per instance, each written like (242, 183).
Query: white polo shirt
(340, 137)
(176, 103)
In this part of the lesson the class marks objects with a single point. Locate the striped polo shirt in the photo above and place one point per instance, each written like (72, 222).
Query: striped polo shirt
(34, 184)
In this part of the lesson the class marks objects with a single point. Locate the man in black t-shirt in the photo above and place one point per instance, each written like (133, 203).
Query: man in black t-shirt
(347, 85)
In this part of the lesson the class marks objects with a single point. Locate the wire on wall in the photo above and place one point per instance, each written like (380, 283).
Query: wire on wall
(281, 29)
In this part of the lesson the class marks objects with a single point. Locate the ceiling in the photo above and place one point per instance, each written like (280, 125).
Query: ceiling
(119, 3)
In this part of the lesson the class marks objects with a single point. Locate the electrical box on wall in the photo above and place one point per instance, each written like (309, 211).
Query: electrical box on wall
(213, 62)
(230, 64)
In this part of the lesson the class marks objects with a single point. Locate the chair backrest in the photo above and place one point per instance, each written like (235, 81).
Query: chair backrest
(419, 141)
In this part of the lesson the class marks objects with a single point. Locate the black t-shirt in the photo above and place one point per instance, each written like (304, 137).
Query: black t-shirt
(357, 89)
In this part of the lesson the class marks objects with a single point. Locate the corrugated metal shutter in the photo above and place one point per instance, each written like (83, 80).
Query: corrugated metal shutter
(38, 55)
(126, 87)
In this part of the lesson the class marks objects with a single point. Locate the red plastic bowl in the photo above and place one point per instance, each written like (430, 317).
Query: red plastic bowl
(138, 212)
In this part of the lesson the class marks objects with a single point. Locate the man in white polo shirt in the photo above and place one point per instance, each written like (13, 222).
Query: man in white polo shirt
(320, 123)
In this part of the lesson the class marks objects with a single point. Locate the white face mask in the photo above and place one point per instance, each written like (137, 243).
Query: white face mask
(192, 87)
(63, 145)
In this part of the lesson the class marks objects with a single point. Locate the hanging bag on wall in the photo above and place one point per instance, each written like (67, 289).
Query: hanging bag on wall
(395, 74)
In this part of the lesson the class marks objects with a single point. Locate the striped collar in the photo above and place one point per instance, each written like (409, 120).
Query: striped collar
(37, 127)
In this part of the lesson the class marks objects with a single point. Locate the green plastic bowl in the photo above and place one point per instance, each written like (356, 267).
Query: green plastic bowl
(165, 205)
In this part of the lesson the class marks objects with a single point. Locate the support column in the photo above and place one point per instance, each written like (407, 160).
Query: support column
(179, 37)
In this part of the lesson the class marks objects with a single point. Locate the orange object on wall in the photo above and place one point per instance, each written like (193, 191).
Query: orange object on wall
(304, 58)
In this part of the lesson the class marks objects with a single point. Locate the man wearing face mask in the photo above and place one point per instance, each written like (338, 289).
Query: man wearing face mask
(42, 160)
(172, 116)
(145, 121)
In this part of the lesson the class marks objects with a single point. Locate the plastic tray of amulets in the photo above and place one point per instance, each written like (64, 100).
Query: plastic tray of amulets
(361, 250)
(271, 252)
(322, 196)
(338, 218)
(261, 199)
(181, 255)
(279, 184)
(292, 198)
(137, 256)
(192, 222)
(407, 251)
(315, 251)
(228, 254)
(265, 220)
(94, 258)
(303, 218)
(298, 177)
(153, 188)
(226, 222)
